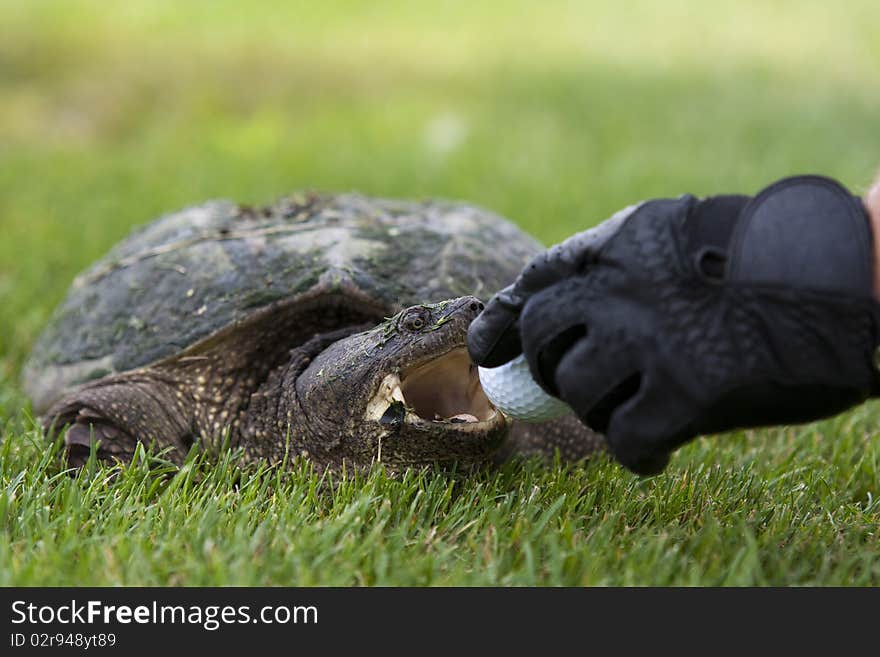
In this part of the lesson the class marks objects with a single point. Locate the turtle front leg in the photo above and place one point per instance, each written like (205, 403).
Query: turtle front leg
(118, 412)
(567, 435)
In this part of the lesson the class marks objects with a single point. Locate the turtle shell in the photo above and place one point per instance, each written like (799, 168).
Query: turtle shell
(189, 274)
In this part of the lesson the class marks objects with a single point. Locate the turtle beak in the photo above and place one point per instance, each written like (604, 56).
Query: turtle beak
(444, 390)
(447, 389)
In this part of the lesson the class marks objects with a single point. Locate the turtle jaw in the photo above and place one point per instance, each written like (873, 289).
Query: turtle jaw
(441, 392)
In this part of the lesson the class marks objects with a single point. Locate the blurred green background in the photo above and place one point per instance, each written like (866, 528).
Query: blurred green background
(554, 114)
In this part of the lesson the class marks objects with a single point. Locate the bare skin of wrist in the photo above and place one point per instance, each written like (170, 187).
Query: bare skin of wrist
(872, 203)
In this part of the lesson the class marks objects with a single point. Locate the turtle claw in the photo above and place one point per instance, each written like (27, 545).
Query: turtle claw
(112, 444)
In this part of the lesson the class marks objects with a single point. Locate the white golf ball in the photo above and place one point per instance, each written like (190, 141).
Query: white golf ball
(510, 388)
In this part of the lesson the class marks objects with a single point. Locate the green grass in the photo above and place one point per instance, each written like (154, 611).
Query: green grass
(553, 114)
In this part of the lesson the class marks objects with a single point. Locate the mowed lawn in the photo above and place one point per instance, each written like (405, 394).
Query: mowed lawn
(553, 114)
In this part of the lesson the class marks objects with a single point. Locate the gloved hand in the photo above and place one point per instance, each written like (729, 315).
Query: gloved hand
(682, 317)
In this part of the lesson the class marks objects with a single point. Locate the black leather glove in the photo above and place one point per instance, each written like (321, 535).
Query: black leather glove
(681, 317)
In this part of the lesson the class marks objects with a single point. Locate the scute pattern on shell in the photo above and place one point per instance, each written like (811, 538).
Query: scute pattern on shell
(190, 273)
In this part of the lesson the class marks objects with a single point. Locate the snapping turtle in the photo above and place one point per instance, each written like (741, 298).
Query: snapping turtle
(327, 327)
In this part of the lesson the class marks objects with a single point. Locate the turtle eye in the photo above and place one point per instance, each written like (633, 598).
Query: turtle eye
(415, 319)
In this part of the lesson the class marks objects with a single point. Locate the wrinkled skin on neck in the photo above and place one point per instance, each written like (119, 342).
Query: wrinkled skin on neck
(404, 393)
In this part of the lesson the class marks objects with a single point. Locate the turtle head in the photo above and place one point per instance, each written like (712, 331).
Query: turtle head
(404, 392)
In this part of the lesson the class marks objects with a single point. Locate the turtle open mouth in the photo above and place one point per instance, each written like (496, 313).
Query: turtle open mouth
(445, 389)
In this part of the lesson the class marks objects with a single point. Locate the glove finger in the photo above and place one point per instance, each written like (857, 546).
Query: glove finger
(568, 258)
(559, 316)
(595, 377)
(493, 337)
(551, 322)
(645, 429)
(602, 377)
